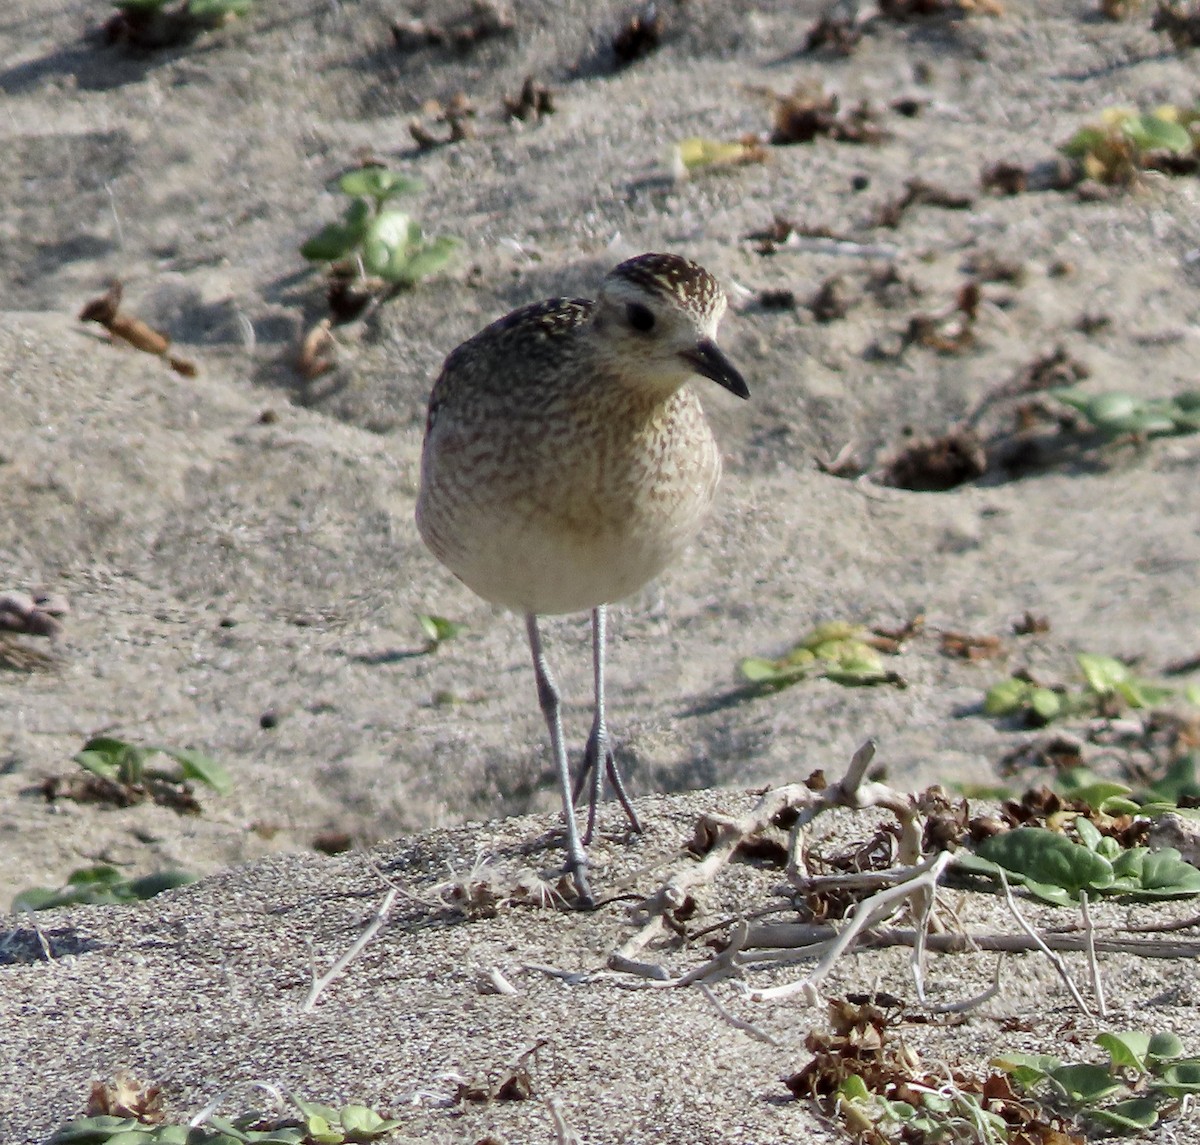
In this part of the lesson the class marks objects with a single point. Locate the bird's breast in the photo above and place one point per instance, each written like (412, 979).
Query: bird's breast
(578, 507)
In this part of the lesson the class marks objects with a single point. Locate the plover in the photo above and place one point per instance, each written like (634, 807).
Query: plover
(567, 462)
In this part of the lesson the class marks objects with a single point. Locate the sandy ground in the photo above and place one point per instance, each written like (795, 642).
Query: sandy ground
(222, 565)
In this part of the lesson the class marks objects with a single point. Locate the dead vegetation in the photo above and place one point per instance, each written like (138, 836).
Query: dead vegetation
(38, 614)
(811, 111)
(131, 330)
(460, 31)
(641, 35)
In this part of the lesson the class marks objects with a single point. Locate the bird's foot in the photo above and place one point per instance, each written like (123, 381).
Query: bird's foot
(577, 868)
(591, 757)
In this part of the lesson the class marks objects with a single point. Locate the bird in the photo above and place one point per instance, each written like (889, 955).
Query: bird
(567, 462)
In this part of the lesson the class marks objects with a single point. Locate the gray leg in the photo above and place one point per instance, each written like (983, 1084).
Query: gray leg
(548, 699)
(597, 744)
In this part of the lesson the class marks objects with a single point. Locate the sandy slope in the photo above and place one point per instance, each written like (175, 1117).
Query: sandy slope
(221, 565)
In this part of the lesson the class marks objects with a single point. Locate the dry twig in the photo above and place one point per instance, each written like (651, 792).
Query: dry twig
(356, 948)
(1055, 959)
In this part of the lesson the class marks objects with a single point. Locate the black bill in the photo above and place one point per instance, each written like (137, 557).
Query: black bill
(708, 360)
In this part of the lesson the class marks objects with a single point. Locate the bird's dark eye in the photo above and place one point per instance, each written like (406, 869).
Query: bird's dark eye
(640, 317)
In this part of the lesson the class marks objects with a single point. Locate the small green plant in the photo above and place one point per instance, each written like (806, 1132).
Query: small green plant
(1125, 142)
(100, 885)
(1057, 869)
(1116, 414)
(1108, 797)
(836, 650)
(208, 11)
(352, 1123)
(374, 240)
(438, 630)
(697, 153)
(862, 1075)
(1144, 1080)
(126, 764)
(317, 1125)
(1110, 686)
(947, 1113)
(161, 24)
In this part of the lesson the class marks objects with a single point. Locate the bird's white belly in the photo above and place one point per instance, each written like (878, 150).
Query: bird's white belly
(549, 549)
(568, 520)
(531, 570)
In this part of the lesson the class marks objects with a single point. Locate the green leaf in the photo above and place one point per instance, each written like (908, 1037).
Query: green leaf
(798, 657)
(832, 631)
(331, 242)
(1088, 833)
(359, 1119)
(377, 183)
(1085, 141)
(235, 1129)
(386, 241)
(1045, 857)
(37, 898)
(100, 875)
(172, 1134)
(854, 1089)
(1118, 413)
(1179, 782)
(850, 655)
(1126, 1117)
(314, 1109)
(1103, 674)
(1046, 704)
(1126, 1051)
(363, 1124)
(759, 671)
(1138, 693)
(323, 1133)
(775, 673)
(1007, 698)
(99, 885)
(1178, 1080)
(1027, 1070)
(1164, 874)
(1051, 893)
(423, 261)
(201, 768)
(1085, 1083)
(1119, 805)
(336, 240)
(438, 628)
(1152, 133)
(1165, 1046)
(150, 885)
(699, 152)
(1096, 793)
(92, 1130)
(113, 759)
(89, 886)
(214, 11)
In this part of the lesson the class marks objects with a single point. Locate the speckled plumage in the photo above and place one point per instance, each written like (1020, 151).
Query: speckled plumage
(567, 462)
(556, 475)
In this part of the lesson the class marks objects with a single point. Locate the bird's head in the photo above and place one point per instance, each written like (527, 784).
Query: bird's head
(660, 313)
